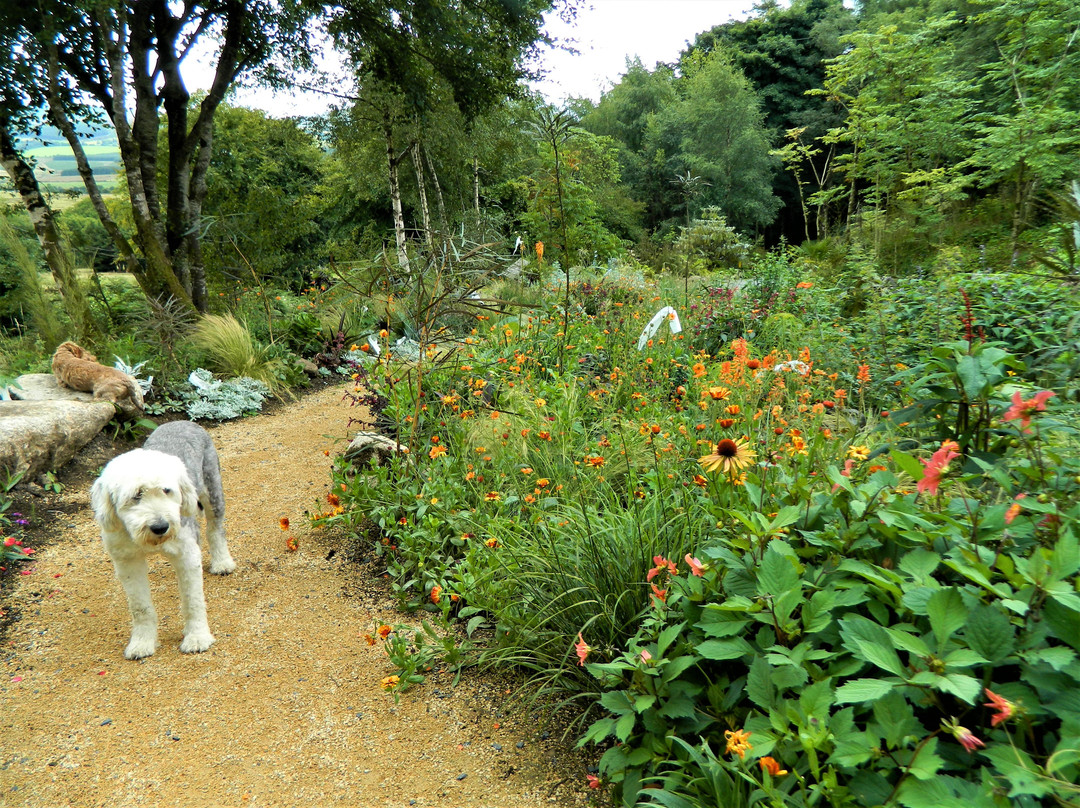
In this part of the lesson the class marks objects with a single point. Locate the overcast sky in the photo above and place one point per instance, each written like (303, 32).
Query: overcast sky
(605, 32)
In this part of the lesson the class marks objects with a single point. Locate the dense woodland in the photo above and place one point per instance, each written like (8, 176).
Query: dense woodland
(902, 129)
(788, 328)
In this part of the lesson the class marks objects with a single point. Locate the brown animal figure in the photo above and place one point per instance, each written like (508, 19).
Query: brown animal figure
(78, 369)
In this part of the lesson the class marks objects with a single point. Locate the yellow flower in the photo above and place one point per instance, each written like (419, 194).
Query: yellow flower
(540, 402)
(730, 457)
(389, 682)
(859, 452)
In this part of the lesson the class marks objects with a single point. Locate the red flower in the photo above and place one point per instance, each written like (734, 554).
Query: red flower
(937, 465)
(1022, 410)
(594, 781)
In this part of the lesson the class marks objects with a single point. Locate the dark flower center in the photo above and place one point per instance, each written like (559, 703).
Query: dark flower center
(727, 448)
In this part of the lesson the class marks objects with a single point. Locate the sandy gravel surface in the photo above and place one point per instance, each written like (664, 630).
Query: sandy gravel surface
(286, 708)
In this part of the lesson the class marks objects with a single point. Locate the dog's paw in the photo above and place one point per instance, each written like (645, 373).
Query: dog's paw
(140, 647)
(222, 567)
(197, 642)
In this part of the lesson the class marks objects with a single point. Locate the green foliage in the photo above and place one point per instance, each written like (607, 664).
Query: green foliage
(230, 350)
(11, 527)
(24, 291)
(711, 239)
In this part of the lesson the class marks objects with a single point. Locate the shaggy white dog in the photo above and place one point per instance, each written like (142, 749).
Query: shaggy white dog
(146, 501)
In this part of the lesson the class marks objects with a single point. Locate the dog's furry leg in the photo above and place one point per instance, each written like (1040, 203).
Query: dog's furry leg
(186, 561)
(134, 575)
(221, 561)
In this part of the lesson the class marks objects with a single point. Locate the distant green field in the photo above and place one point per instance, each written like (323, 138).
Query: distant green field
(65, 150)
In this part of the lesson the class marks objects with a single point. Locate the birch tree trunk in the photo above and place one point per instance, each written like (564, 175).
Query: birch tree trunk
(41, 217)
(425, 213)
(438, 190)
(392, 161)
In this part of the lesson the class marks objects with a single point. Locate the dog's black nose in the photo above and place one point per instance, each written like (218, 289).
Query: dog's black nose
(159, 528)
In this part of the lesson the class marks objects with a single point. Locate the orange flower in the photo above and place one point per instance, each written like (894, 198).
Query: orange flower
(492, 496)
(738, 742)
(389, 682)
(937, 465)
(384, 631)
(1022, 410)
(543, 482)
(292, 544)
(582, 649)
(333, 499)
(284, 522)
(770, 765)
(718, 393)
(699, 370)
(436, 591)
(1004, 707)
(1014, 509)
(437, 451)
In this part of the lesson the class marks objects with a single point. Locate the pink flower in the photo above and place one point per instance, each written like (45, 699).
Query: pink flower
(967, 738)
(594, 781)
(1004, 707)
(937, 465)
(646, 657)
(694, 564)
(1022, 410)
(581, 649)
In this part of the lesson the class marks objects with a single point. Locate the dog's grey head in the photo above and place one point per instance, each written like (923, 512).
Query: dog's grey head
(145, 494)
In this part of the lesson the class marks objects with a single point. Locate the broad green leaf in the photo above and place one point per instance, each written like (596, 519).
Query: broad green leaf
(933, 793)
(1064, 622)
(719, 650)
(989, 633)
(624, 727)
(869, 641)
(816, 700)
(678, 666)
(859, 690)
(616, 701)
(920, 563)
(667, 637)
(895, 718)
(907, 464)
(759, 686)
(926, 762)
(947, 613)
(1057, 658)
(776, 575)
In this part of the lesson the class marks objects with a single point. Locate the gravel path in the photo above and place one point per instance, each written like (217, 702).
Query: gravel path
(286, 708)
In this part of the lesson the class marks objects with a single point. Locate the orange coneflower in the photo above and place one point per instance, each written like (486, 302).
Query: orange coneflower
(738, 742)
(730, 456)
(384, 631)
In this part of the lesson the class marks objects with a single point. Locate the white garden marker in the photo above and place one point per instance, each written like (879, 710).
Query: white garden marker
(666, 313)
